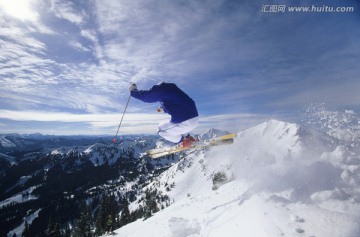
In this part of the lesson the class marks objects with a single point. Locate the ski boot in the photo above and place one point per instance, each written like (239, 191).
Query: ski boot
(188, 140)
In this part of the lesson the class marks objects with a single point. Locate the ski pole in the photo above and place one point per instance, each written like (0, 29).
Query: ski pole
(127, 103)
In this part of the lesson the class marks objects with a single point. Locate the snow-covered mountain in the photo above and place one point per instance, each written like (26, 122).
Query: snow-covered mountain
(36, 184)
(100, 153)
(212, 133)
(276, 179)
(7, 158)
(6, 143)
(15, 143)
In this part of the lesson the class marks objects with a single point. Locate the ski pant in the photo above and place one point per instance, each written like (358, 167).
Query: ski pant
(173, 131)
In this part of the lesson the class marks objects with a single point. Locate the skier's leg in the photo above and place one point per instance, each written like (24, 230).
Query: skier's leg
(173, 131)
(167, 130)
(189, 125)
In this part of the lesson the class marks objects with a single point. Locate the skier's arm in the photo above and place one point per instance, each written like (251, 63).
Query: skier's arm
(150, 96)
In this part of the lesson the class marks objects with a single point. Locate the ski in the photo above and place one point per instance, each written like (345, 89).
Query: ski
(222, 140)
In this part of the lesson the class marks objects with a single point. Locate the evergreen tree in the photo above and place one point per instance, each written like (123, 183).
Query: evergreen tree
(26, 232)
(53, 229)
(125, 217)
(83, 224)
(107, 215)
(67, 232)
(100, 226)
(110, 224)
(150, 202)
(138, 213)
(50, 227)
(113, 213)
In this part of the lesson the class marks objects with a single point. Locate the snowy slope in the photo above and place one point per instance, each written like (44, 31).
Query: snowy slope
(277, 179)
(29, 219)
(7, 158)
(21, 197)
(6, 143)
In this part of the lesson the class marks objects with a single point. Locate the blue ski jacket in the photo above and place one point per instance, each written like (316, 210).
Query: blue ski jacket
(173, 100)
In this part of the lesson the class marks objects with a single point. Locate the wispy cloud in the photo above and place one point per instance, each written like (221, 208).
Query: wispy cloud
(20, 10)
(133, 123)
(65, 10)
(79, 57)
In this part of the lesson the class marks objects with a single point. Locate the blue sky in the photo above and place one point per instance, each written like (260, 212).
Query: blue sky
(65, 66)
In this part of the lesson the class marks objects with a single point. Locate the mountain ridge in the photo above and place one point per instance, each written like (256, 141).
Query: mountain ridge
(271, 181)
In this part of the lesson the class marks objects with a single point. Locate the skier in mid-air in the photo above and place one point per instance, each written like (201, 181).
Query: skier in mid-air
(175, 102)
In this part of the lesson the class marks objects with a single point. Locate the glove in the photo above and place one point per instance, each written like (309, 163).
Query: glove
(132, 87)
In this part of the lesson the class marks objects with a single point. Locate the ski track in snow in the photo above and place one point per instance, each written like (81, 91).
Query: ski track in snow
(282, 180)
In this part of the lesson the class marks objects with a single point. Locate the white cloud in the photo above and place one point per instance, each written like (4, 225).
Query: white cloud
(79, 46)
(145, 40)
(65, 10)
(92, 35)
(89, 34)
(22, 10)
(134, 123)
(107, 119)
